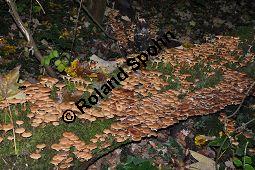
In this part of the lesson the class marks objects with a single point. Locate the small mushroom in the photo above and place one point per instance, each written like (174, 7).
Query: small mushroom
(40, 146)
(26, 134)
(35, 156)
(19, 122)
(20, 130)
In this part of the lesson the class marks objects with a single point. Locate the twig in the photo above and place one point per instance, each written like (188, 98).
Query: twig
(85, 165)
(228, 137)
(221, 146)
(244, 125)
(5, 161)
(95, 21)
(27, 34)
(40, 6)
(76, 25)
(245, 150)
(240, 105)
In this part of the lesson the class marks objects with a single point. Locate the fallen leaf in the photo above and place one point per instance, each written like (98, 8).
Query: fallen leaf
(203, 162)
(9, 84)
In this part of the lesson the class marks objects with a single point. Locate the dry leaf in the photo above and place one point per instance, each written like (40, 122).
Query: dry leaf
(203, 162)
(107, 66)
(9, 84)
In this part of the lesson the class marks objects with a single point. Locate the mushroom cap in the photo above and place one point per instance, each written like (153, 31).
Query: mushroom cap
(91, 146)
(7, 127)
(55, 162)
(30, 115)
(10, 137)
(84, 155)
(19, 122)
(70, 136)
(40, 146)
(26, 83)
(56, 146)
(26, 134)
(35, 155)
(20, 130)
(55, 123)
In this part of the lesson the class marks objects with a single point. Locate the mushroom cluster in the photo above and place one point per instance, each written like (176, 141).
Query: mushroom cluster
(140, 115)
(81, 150)
(20, 131)
(140, 105)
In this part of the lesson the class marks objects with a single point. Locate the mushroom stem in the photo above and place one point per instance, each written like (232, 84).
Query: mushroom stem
(13, 129)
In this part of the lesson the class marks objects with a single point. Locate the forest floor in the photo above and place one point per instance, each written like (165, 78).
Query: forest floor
(202, 139)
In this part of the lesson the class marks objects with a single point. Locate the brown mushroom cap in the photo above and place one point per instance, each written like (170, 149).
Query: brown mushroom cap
(20, 130)
(56, 147)
(30, 115)
(84, 155)
(40, 146)
(10, 137)
(7, 127)
(19, 122)
(26, 134)
(35, 156)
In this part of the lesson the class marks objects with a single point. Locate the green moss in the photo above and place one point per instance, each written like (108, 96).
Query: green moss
(70, 86)
(53, 93)
(48, 134)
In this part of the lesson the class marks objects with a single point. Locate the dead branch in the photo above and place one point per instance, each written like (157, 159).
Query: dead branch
(28, 35)
(95, 21)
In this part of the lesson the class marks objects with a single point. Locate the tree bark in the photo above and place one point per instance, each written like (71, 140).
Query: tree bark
(27, 34)
(97, 9)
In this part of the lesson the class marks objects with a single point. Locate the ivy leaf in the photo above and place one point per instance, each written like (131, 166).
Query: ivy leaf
(240, 151)
(61, 67)
(57, 62)
(237, 162)
(54, 53)
(37, 9)
(47, 61)
(248, 167)
(247, 160)
(217, 141)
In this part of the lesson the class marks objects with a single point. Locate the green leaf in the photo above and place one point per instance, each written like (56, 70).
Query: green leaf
(216, 142)
(237, 162)
(55, 53)
(61, 67)
(247, 160)
(138, 161)
(57, 62)
(43, 61)
(248, 167)
(47, 61)
(37, 9)
(240, 151)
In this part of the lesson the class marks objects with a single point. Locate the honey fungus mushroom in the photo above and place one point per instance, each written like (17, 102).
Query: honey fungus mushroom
(19, 130)
(35, 156)
(26, 134)
(40, 146)
(7, 127)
